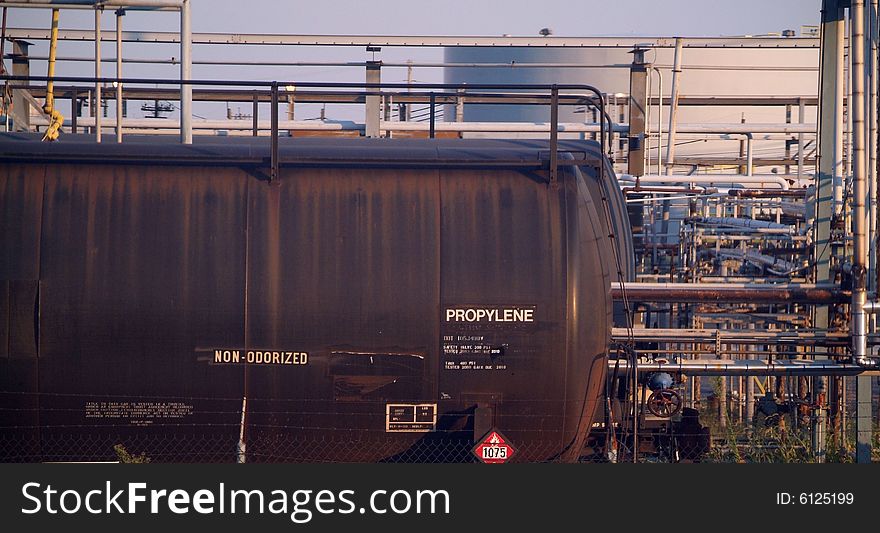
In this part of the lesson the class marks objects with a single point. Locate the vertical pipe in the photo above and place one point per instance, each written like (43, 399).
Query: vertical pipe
(788, 141)
(185, 73)
(670, 142)
(98, 93)
(864, 416)
(646, 154)
(801, 120)
(119, 14)
(56, 120)
(53, 50)
(860, 190)
(749, 154)
(673, 105)
(871, 139)
(638, 109)
(659, 121)
(749, 407)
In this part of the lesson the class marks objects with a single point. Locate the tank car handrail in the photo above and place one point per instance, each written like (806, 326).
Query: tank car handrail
(554, 99)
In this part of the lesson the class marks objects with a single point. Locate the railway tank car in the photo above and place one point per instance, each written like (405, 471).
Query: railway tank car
(381, 300)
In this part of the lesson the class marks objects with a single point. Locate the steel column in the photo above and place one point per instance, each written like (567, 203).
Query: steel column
(185, 73)
(119, 14)
(373, 103)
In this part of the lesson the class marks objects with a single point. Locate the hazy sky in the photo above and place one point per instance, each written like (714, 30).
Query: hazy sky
(408, 17)
(484, 17)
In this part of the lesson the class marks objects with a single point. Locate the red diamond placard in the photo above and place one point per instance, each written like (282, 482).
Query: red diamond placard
(494, 448)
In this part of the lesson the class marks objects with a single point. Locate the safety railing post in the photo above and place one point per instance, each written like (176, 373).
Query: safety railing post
(554, 133)
(274, 120)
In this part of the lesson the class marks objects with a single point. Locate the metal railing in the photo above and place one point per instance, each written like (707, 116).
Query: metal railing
(432, 94)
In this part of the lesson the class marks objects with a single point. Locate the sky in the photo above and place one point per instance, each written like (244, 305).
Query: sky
(483, 17)
(409, 17)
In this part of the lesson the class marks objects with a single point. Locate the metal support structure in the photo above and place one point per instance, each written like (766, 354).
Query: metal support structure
(373, 102)
(638, 108)
(459, 106)
(21, 66)
(119, 112)
(186, 136)
(98, 109)
(828, 199)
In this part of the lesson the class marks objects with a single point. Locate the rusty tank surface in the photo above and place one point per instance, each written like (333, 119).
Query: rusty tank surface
(382, 300)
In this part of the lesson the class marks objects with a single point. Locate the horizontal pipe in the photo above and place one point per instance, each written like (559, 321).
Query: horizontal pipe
(513, 127)
(349, 126)
(521, 127)
(269, 39)
(739, 223)
(760, 193)
(506, 65)
(730, 293)
(712, 179)
(674, 335)
(299, 125)
(750, 367)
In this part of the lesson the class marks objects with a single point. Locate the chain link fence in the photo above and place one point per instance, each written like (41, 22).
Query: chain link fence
(50, 428)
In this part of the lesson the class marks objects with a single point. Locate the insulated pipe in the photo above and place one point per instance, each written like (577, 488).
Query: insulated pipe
(730, 292)
(673, 111)
(98, 110)
(186, 73)
(860, 182)
(738, 179)
(659, 121)
(871, 139)
(749, 154)
(801, 157)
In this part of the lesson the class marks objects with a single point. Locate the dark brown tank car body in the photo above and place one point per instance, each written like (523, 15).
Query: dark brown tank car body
(366, 304)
